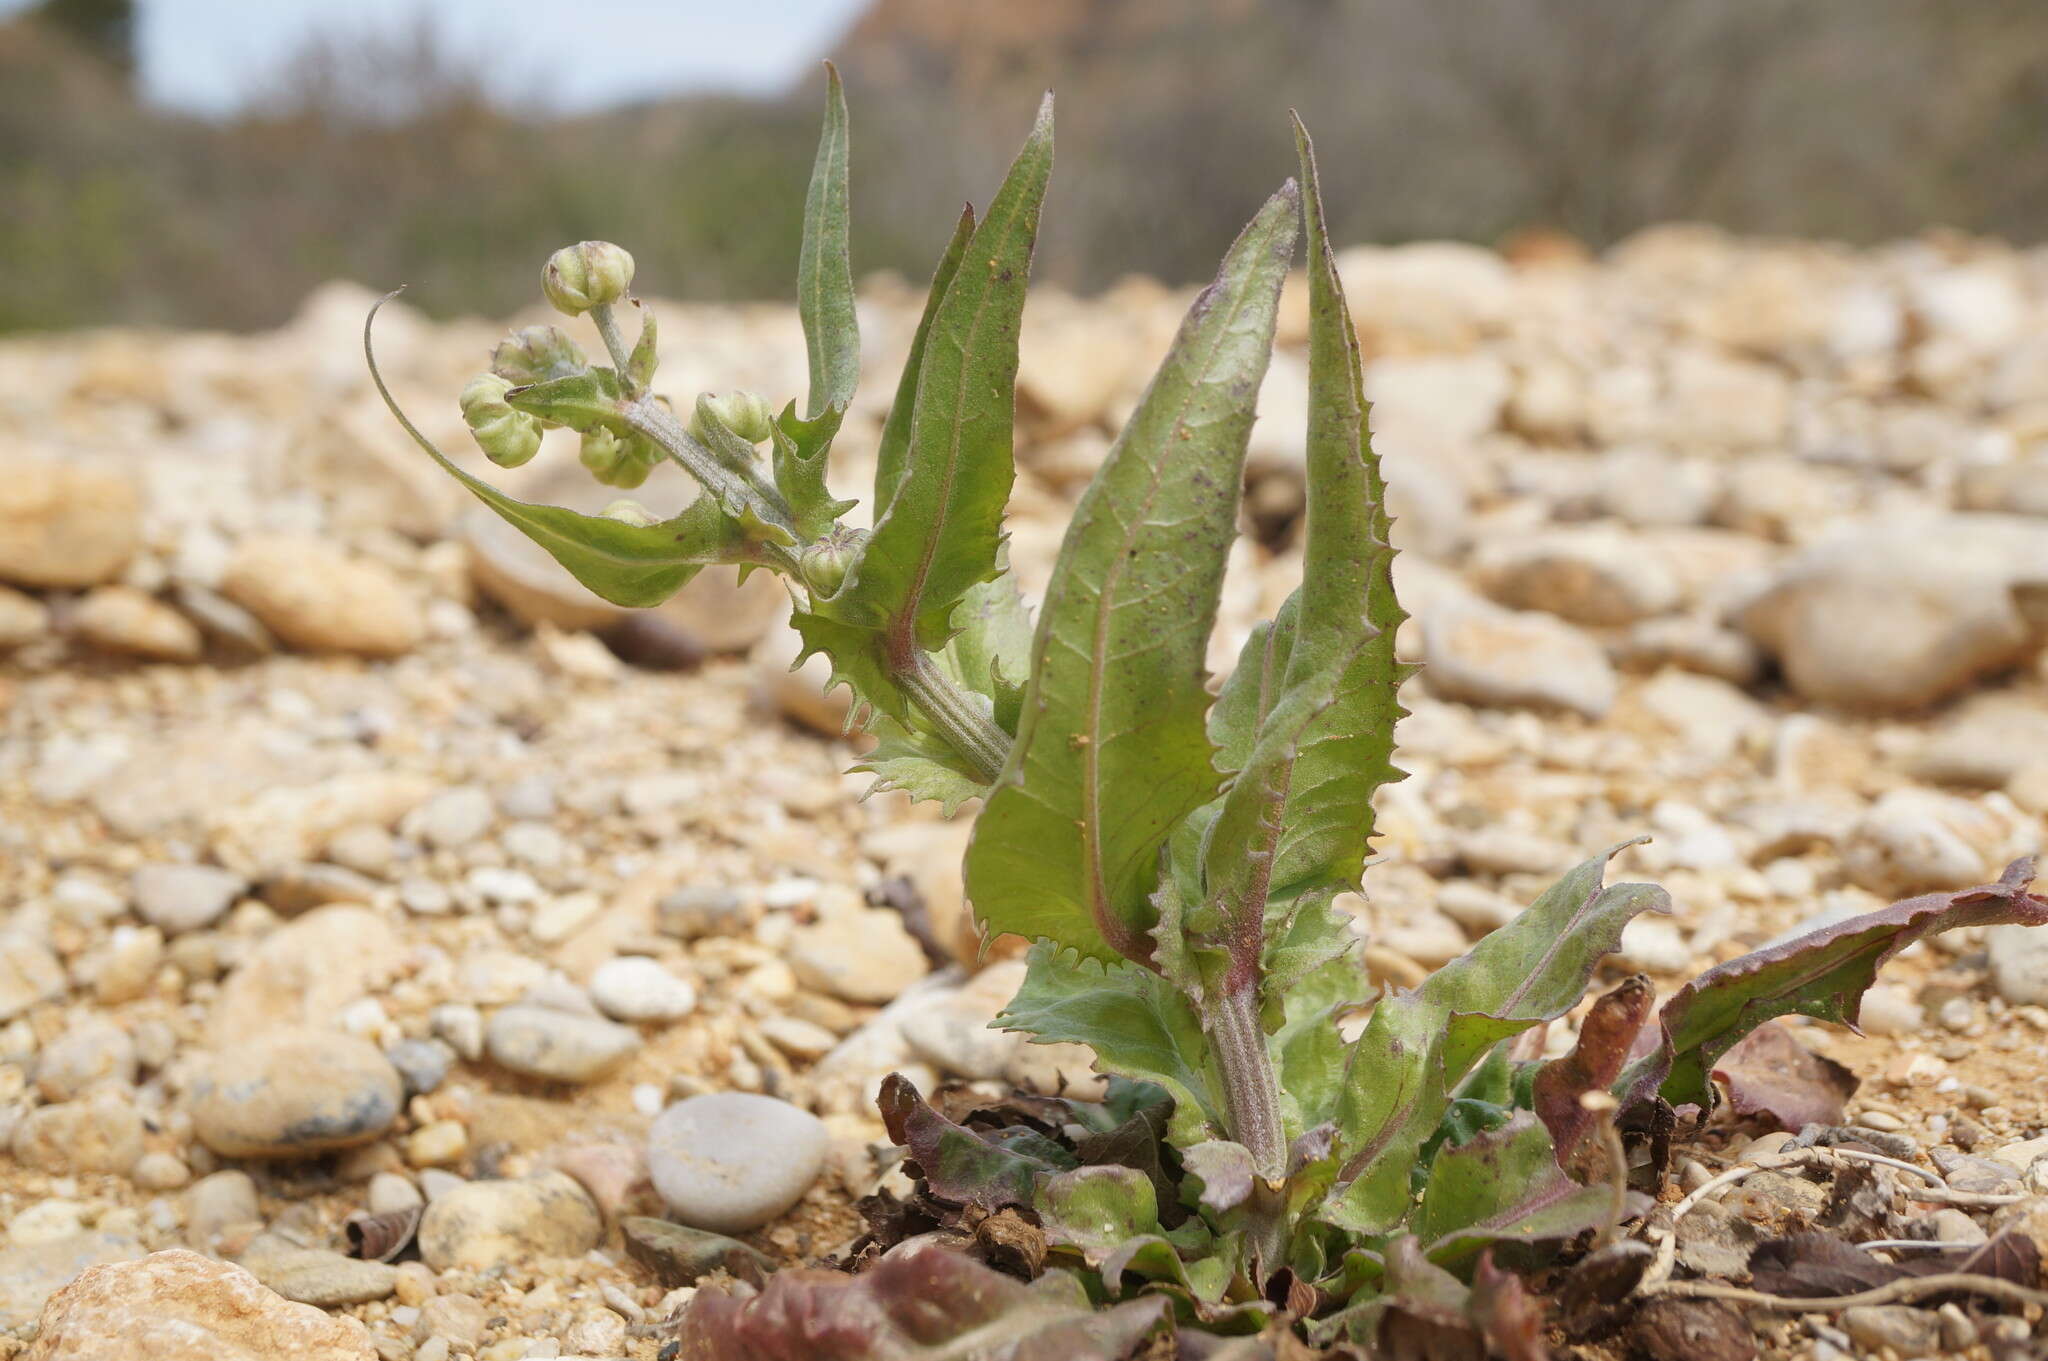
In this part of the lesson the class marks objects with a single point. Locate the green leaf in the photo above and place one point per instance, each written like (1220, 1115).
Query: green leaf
(1251, 689)
(856, 664)
(800, 450)
(1822, 974)
(1348, 614)
(1138, 1026)
(587, 400)
(892, 454)
(1308, 1050)
(634, 566)
(1536, 967)
(1095, 1210)
(1420, 1311)
(919, 1302)
(1394, 1096)
(991, 651)
(824, 271)
(919, 763)
(1503, 1186)
(1242, 853)
(939, 532)
(1111, 752)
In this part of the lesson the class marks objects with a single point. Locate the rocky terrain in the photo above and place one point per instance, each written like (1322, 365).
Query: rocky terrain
(361, 879)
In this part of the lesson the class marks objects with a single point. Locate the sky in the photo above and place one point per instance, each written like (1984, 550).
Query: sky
(209, 56)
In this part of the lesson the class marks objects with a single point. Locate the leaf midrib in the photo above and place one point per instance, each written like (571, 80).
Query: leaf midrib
(1091, 752)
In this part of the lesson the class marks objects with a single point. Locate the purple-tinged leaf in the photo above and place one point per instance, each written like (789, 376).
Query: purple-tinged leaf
(958, 1164)
(1505, 1314)
(920, 1302)
(1503, 1186)
(1606, 1037)
(1772, 1076)
(1698, 1330)
(1822, 974)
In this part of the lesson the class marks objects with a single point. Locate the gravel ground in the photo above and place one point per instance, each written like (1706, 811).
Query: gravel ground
(352, 860)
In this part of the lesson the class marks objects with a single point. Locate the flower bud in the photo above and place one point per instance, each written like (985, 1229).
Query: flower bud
(824, 564)
(535, 354)
(746, 415)
(507, 437)
(614, 461)
(627, 511)
(586, 275)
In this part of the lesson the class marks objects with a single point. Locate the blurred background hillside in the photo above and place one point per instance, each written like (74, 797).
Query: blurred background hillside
(390, 146)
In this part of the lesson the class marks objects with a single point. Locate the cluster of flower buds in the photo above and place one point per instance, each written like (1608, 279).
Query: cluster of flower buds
(591, 276)
(744, 414)
(586, 275)
(618, 460)
(507, 437)
(534, 354)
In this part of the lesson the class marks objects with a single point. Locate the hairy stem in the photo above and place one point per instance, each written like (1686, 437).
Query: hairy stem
(1251, 1092)
(608, 330)
(966, 727)
(648, 417)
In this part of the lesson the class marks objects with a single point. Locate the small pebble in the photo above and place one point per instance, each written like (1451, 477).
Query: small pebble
(732, 1161)
(180, 898)
(452, 819)
(636, 988)
(560, 1046)
(437, 1144)
(389, 1191)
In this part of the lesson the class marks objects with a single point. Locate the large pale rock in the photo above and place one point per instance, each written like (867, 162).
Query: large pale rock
(2018, 487)
(1453, 397)
(1431, 295)
(860, 956)
(29, 974)
(1721, 403)
(1073, 363)
(65, 526)
(318, 599)
(1482, 654)
(483, 1224)
(1985, 743)
(2019, 963)
(22, 619)
(305, 972)
(180, 1306)
(1589, 575)
(1894, 614)
(294, 1094)
(124, 620)
(97, 1135)
(1916, 840)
